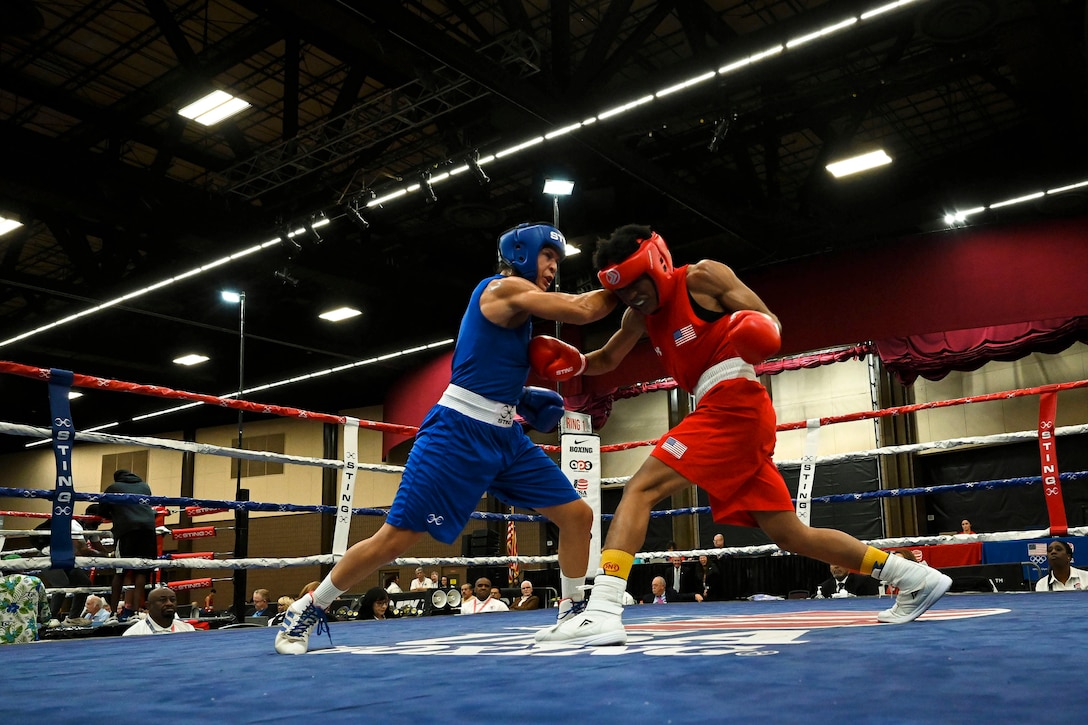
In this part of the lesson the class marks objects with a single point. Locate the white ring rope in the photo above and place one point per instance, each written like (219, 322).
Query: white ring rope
(191, 447)
(948, 444)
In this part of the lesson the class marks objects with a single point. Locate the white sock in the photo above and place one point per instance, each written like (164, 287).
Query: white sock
(326, 593)
(568, 587)
(909, 576)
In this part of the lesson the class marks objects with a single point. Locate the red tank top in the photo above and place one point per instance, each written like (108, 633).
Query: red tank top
(686, 344)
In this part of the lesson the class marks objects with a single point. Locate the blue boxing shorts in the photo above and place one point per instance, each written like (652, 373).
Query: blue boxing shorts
(456, 460)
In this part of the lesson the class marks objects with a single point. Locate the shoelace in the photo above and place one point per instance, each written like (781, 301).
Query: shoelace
(312, 615)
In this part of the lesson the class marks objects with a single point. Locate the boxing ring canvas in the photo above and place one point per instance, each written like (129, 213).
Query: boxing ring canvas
(994, 658)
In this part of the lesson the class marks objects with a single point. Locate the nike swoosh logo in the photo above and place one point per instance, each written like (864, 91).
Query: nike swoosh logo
(580, 442)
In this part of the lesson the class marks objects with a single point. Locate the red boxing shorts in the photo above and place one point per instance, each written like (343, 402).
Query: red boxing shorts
(725, 446)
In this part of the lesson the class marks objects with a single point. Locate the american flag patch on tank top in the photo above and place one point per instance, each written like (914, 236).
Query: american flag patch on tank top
(684, 334)
(674, 447)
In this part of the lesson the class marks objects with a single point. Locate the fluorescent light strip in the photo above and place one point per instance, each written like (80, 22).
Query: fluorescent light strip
(7, 225)
(961, 216)
(823, 32)
(519, 147)
(1061, 189)
(625, 107)
(396, 194)
(1018, 200)
(563, 131)
(139, 292)
(885, 9)
(774, 50)
(686, 84)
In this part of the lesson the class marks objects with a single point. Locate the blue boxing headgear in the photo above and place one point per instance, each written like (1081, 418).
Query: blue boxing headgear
(520, 247)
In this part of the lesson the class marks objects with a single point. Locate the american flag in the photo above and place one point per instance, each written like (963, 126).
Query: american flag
(512, 550)
(1037, 555)
(684, 334)
(674, 447)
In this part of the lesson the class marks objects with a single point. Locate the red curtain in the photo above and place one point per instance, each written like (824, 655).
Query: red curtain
(933, 356)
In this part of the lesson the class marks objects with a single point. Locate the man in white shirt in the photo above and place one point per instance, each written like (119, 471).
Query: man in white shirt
(421, 582)
(162, 609)
(1062, 576)
(483, 602)
(95, 611)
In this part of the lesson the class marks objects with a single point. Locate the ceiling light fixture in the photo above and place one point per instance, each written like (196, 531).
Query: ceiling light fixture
(213, 108)
(857, 164)
(7, 225)
(339, 314)
(191, 359)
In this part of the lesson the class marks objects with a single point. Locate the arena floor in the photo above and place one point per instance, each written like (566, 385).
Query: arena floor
(987, 658)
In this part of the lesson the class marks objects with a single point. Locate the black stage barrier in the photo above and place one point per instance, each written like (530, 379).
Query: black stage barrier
(1004, 577)
(743, 576)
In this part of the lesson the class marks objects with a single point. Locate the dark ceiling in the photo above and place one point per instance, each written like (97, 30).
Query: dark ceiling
(977, 101)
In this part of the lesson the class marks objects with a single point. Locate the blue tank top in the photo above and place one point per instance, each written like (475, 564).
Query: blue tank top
(490, 360)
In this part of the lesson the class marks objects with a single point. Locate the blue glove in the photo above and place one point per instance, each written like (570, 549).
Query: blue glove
(541, 408)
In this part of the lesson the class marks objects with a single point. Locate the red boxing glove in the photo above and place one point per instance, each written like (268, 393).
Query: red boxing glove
(553, 359)
(754, 335)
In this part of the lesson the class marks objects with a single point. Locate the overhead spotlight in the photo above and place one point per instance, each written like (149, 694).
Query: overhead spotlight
(474, 166)
(425, 187)
(284, 275)
(721, 129)
(315, 222)
(354, 212)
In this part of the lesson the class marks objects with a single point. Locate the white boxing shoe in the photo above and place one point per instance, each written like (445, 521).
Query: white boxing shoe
(600, 624)
(568, 609)
(909, 605)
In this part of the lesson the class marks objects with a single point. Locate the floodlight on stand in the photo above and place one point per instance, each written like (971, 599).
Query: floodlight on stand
(473, 162)
(241, 515)
(558, 187)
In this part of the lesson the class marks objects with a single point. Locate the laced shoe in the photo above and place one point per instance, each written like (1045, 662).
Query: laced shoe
(600, 624)
(301, 617)
(568, 609)
(909, 605)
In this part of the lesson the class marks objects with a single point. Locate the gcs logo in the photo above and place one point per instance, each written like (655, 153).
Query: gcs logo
(581, 465)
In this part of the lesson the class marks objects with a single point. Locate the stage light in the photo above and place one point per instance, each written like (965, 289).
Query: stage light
(426, 188)
(355, 214)
(721, 129)
(284, 275)
(473, 162)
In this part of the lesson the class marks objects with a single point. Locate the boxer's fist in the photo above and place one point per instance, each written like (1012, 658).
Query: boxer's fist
(554, 359)
(541, 408)
(754, 335)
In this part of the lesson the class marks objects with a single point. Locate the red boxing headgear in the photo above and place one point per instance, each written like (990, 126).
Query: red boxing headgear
(652, 258)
